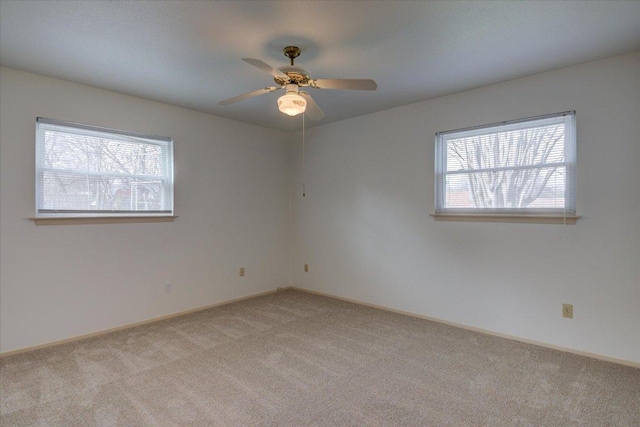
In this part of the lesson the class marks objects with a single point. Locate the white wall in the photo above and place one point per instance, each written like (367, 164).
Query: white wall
(365, 228)
(232, 198)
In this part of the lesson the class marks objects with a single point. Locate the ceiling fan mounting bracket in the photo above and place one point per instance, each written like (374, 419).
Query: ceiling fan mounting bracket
(291, 52)
(296, 75)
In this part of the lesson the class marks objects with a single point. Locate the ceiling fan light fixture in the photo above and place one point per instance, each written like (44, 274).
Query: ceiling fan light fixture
(292, 104)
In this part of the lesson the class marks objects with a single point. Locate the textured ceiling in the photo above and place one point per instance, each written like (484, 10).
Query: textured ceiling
(187, 53)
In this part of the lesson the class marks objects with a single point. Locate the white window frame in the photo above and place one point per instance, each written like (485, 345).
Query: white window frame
(166, 144)
(569, 210)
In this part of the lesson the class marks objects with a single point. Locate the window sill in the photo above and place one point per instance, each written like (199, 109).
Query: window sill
(510, 218)
(99, 220)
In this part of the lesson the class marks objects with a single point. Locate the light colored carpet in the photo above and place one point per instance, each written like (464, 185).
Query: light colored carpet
(297, 359)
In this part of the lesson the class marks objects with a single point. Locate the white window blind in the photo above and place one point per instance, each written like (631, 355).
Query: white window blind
(525, 166)
(91, 171)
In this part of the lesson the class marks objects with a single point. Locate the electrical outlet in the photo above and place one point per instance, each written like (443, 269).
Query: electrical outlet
(306, 268)
(241, 271)
(567, 310)
(168, 287)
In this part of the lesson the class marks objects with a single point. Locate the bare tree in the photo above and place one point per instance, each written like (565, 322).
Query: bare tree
(508, 169)
(84, 172)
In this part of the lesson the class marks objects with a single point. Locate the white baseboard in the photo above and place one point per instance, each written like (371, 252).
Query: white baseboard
(483, 331)
(284, 288)
(132, 325)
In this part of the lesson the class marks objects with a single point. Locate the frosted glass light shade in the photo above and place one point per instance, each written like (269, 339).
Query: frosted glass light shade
(292, 104)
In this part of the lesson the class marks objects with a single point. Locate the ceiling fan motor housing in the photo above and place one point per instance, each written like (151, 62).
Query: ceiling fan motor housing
(297, 75)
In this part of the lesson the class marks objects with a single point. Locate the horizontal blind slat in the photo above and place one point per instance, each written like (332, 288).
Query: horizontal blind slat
(526, 165)
(81, 168)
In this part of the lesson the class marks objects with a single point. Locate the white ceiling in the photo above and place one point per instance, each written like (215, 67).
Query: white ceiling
(187, 53)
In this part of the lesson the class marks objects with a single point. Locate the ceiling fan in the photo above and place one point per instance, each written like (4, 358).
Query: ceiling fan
(292, 78)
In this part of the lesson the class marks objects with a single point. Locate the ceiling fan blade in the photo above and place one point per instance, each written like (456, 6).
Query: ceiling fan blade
(352, 84)
(249, 95)
(313, 111)
(266, 67)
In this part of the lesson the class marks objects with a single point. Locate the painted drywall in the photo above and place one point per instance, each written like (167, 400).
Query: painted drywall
(363, 228)
(365, 231)
(231, 196)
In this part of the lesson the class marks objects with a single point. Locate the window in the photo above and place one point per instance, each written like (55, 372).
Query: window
(523, 167)
(91, 171)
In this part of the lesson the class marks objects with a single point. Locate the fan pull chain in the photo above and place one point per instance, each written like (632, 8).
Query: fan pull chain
(303, 172)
